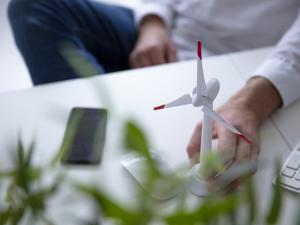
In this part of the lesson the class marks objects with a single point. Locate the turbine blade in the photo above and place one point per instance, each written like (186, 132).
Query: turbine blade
(159, 107)
(215, 116)
(183, 100)
(201, 85)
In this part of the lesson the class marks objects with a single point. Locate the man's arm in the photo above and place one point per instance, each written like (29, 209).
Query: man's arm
(282, 67)
(154, 45)
(275, 84)
(259, 96)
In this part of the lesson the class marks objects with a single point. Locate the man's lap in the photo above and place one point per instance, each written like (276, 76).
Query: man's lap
(103, 34)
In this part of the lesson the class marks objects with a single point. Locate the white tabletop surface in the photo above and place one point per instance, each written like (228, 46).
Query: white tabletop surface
(42, 113)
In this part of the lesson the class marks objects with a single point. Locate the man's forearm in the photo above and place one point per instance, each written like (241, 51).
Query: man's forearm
(260, 96)
(151, 21)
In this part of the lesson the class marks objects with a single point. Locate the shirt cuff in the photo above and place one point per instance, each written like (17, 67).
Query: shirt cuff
(160, 10)
(284, 76)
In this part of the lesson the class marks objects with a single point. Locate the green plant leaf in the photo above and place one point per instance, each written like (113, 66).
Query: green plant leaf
(275, 204)
(208, 211)
(218, 206)
(251, 201)
(15, 216)
(109, 207)
(7, 174)
(23, 163)
(24, 194)
(181, 218)
(135, 139)
(4, 217)
(73, 55)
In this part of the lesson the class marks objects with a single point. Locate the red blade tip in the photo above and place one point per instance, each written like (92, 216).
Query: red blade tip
(244, 138)
(200, 50)
(159, 107)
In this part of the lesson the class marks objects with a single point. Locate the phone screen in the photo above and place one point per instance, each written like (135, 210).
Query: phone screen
(84, 138)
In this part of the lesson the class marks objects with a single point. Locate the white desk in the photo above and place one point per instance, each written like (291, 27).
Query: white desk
(42, 113)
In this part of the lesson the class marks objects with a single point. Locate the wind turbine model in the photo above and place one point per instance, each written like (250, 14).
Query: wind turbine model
(203, 95)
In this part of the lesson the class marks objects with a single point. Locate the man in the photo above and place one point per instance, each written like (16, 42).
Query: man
(111, 38)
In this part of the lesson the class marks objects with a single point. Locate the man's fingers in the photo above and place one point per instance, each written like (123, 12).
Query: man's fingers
(193, 148)
(215, 133)
(171, 54)
(134, 63)
(144, 61)
(243, 151)
(156, 55)
(147, 57)
(139, 60)
(227, 144)
(194, 159)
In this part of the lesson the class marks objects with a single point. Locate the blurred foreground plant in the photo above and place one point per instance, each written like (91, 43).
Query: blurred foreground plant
(220, 208)
(26, 197)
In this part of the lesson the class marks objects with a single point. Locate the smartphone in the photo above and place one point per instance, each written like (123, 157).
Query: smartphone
(84, 138)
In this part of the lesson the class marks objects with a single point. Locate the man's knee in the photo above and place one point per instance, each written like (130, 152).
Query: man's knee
(18, 8)
(27, 15)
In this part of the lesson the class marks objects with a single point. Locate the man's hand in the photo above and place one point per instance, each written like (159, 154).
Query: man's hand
(154, 45)
(246, 110)
(228, 143)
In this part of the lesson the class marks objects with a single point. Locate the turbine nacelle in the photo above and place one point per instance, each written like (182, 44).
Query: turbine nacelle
(198, 101)
(213, 87)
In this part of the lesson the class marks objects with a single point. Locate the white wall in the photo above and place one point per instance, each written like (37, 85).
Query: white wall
(14, 74)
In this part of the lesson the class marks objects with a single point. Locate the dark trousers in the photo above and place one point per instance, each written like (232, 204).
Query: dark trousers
(66, 39)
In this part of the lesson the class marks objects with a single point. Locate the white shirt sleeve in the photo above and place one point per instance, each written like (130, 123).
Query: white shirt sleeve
(282, 67)
(160, 8)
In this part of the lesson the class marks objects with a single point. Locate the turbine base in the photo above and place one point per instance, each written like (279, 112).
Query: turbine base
(197, 184)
